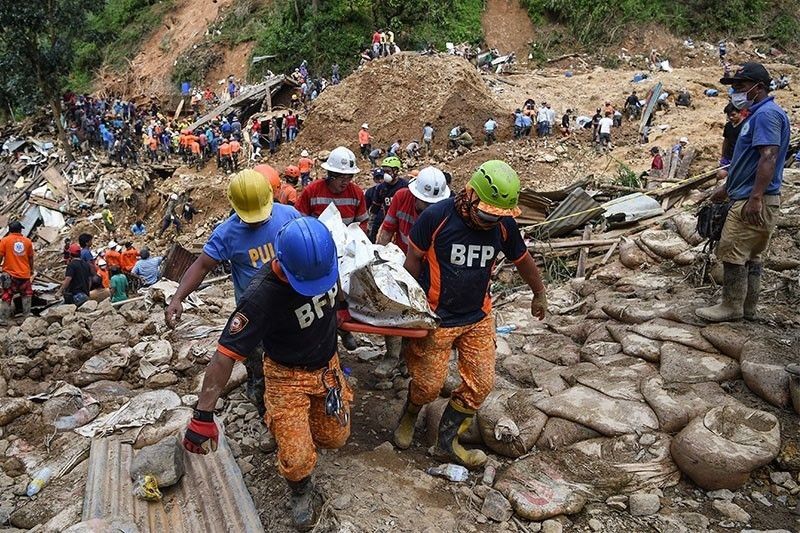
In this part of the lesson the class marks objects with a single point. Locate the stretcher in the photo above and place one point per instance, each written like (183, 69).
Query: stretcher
(360, 327)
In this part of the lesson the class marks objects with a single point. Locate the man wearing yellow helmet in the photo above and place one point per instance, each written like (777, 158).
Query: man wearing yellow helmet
(452, 249)
(246, 239)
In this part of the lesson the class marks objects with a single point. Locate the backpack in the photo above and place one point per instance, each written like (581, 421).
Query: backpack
(711, 219)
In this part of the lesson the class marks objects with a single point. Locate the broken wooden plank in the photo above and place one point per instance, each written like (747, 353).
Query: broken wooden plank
(609, 253)
(256, 92)
(584, 253)
(58, 184)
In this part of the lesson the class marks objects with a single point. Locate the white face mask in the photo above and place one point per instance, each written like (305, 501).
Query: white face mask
(388, 178)
(742, 100)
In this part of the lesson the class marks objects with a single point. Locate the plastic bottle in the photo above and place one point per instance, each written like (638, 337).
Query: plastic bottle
(449, 471)
(38, 482)
(505, 330)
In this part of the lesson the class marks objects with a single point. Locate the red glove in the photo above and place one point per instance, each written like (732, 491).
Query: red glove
(342, 316)
(202, 435)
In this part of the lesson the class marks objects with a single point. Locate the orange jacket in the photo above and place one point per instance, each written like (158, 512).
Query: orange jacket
(113, 258)
(363, 136)
(235, 147)
(225, 150)
(305, 165)
(128, 259)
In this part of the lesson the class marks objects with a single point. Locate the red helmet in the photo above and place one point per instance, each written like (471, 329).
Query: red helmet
(292, 171)
(272, 176)
(75, 249)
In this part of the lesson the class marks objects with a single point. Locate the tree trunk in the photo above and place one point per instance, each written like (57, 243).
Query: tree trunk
(297, 13)
(314, 5)
(55, 102)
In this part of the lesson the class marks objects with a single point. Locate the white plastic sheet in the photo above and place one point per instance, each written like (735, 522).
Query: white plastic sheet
(379, 290)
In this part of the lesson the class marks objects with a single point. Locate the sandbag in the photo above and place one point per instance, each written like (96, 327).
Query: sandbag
(551, 381)
(689, 257)
(634, 344)
(666, 330)
(687, 365)
(523, 366)
(635, 312)
(664, 243)
(558, 349)
(606, 415)
(620, 382)
(720, 449)
(686, 225)
(727, 339)
(594, 352)
(509, 422)
(559, 433)
(763, 362)
(538, 491)
(676, 404)
(631, 255)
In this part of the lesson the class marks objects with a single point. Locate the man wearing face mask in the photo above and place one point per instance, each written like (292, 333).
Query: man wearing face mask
(246, 239)
(452, 250)
(385, 191)
(753, 187)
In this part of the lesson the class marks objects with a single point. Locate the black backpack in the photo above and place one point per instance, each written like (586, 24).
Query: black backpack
(711, 219)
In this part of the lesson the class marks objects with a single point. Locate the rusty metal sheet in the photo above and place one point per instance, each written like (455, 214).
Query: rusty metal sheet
(177, 262)
(211, 497)
(574, 212)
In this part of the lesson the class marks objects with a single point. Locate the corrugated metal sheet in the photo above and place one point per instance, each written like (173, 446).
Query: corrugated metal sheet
(211, 497)
(178, 261)
(574, 212)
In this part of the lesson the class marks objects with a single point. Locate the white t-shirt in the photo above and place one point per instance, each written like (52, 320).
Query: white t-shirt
(542, 115)
(605, 124)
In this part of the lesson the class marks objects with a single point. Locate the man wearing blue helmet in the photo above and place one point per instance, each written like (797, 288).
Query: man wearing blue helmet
(289, 306)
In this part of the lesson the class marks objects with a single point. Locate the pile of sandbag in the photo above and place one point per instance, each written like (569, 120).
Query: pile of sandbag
(678, 242)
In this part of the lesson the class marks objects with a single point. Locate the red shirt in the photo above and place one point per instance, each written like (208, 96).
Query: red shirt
(658, 163)
(291, 121)
(401, 216)
(317, 196)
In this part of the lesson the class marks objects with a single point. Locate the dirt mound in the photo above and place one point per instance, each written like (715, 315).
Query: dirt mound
(507, 27)
(396, 96)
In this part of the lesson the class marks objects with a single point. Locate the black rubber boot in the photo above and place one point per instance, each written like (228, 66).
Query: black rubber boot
(753, 288)
(348, 340)
(456, 421)
(302, 502)
(254, 388)
(26, 306)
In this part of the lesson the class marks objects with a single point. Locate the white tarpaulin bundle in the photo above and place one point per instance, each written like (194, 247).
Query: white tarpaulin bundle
(379, 290)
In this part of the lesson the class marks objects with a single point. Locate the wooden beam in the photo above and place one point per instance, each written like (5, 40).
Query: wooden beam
(584, 254)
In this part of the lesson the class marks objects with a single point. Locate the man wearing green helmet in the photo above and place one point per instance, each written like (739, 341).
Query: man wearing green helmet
(392, 182)
(452, 249)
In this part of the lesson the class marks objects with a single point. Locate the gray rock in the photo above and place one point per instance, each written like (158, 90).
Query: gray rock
(721, 494)
(780, 478)
(13, 408)
(595, 524)
(619, 502)
(342, 502)
(496, 507)
(552, 526)
(695, 521)
(164, 460)
(760, 498)
(731, 510)
(644, 504)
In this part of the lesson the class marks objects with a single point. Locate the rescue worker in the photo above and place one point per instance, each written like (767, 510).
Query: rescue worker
(338, 189)
(392, 182)
(16, 254)
(753, 187)
(226, 163)
(452, 249)
(236, 148)
(428, 188)
(374, 206)
(128, 257)
(305, 164)
(77, 278)
(289, 307)
(113, 255)
(272, 176)
(288, 191)
(364, 140)
(247, 240)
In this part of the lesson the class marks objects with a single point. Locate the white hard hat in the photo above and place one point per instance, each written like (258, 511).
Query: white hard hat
(341, 160)
(173, 196)
(365, 126)
(430, 186)
(304, 153)
(684, 140)
(112, 244)
(101, 262)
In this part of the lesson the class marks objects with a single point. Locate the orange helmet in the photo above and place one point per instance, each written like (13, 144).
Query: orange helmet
(292, 171)
(272, 176)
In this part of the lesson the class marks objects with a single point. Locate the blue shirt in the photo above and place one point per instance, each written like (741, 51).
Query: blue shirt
(767, 125)
(147, 269)
(459, 260)
(248, 249)
(86, 255)
(138, 230)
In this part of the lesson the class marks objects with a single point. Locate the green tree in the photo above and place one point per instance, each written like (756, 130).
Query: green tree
(37, 42)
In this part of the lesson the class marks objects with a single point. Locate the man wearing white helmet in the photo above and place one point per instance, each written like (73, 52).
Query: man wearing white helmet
(428, 188)
(337, 188)
(364, 140)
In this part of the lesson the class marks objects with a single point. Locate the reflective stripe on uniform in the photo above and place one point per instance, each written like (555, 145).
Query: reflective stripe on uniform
(405, 216)
(325, 200)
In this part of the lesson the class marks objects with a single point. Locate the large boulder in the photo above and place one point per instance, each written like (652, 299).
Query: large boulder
(764, 363)
(676, 404)
(687, 365)
(509, 422)
(721, 448)
(606, 415)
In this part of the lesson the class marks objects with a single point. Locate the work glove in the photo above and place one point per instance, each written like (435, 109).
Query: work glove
(202, 435)
(539, 305)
